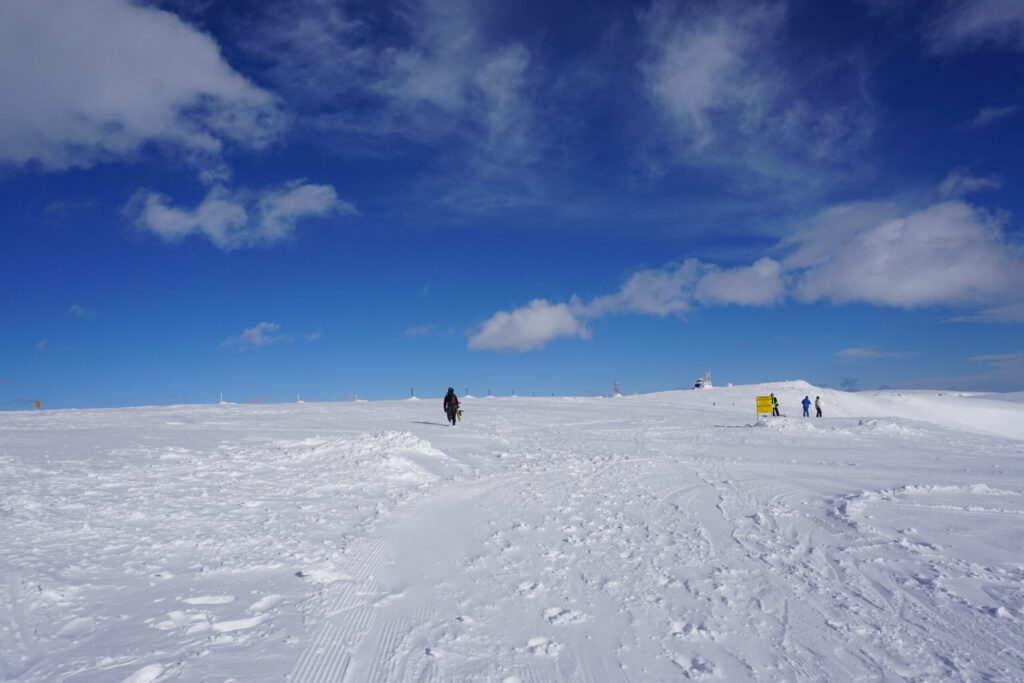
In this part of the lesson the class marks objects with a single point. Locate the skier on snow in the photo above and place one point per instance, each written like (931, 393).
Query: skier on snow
(806, 403)
(451, 406)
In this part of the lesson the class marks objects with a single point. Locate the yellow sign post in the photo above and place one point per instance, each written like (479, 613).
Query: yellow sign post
(764, 405)
(37, 405)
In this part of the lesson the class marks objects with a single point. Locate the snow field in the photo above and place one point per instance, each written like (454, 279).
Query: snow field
(659, 537)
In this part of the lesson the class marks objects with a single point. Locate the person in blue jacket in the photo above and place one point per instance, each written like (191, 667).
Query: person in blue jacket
(807, 406)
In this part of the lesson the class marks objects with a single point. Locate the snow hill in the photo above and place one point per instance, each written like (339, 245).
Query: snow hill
(668, 536)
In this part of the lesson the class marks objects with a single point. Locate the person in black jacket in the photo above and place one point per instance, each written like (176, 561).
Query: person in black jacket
(451, 406)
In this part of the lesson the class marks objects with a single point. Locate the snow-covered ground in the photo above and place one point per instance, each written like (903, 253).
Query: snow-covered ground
(666, 536)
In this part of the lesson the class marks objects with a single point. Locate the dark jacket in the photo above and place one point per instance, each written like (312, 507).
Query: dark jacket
(451, 401)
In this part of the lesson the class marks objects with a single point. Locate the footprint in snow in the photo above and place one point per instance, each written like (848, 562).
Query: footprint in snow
(543, 647)
(559, 616)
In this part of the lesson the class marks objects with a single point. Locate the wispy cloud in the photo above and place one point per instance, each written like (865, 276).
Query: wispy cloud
(80, 312)
(236, 219)
(429, 331)
(960, 183)
(1002, 360)
(865, 353)
(265, 334)
(433, 76)
(262, 334)
(99, 80)
(715, 73)
(420, 330)
(1012, 312)
(989, 115)
(964, 25)
(1006, 374)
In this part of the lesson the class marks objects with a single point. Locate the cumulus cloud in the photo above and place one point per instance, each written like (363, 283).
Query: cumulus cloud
(661, 292)
(87, 82)
(949, 254)
(969, 24)
(528, 328)
(234, 219)
(760, 284)
(989, 115)
(870, 353)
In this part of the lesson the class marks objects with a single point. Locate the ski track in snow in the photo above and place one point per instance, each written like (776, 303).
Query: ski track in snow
(661, 537)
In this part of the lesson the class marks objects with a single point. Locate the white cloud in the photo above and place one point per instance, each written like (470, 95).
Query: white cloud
(948, 254)
(80, 312)
(661, 292)
(959, 183)
(262, 334)
(967, 24)
(870, 353)
(238, 219)
(88, 81)
(528, 328)
(760, 284)
(989, 115)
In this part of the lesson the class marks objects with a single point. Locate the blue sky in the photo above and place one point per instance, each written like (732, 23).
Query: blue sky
(348, 198)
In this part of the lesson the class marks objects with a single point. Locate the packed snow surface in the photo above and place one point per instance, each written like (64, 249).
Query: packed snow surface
(660, 537)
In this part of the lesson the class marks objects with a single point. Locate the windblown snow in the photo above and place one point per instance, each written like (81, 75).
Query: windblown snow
(658, 537)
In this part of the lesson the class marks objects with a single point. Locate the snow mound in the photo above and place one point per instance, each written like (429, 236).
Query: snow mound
(785, 424)
(888, 427)
(389, 454)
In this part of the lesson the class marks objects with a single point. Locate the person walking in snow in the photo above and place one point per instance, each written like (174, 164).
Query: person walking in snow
(817, 405)
(806, 403)
(775, 406)
(451, 406)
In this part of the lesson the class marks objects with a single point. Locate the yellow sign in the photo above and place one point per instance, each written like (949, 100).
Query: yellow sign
(37, 405)
(764, 404)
